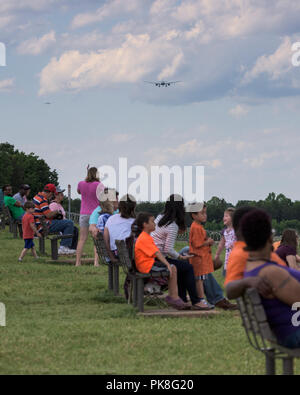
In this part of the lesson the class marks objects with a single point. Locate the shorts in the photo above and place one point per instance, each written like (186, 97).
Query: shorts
(29, 244)
(84, 220)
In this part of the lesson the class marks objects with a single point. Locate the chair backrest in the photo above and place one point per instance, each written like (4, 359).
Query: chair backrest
(124, 254)
(255, 321)
(101, 248)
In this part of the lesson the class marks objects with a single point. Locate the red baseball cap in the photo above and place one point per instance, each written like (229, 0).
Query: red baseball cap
(50, 188)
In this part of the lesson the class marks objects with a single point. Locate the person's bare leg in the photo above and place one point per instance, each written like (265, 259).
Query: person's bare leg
(96, 258)
(84, 232)
(200, 289)
(172, 284)
(33, 251)
(23, 253)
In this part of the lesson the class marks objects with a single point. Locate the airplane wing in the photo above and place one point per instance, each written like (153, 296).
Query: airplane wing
(150, 82)
(173, 82)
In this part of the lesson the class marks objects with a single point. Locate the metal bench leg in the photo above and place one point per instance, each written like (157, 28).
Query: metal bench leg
(110, 277)
(288, 366)
(134, 291)
(15, 230)
(54, 249)
(116, 279)
(42, 246)
(270, 363)
(140, 294)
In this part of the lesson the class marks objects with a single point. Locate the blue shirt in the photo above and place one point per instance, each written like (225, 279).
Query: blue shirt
(95, 215)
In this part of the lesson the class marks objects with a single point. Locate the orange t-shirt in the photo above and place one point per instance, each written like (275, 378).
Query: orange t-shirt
(237, 262)
(202, 262)
(144, 252)
(27, 219)
(276, 245)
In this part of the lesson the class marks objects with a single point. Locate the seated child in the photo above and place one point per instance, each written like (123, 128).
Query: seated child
(149, 259)
(228, 238)
(29, 229)
(200, 247)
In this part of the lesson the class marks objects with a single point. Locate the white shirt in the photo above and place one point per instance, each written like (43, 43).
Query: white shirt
(119, 229)
(165, 237)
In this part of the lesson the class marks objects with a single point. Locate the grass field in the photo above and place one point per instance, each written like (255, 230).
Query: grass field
(62, 320)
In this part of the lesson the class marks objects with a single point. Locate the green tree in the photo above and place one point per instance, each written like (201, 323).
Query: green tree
(17, 167)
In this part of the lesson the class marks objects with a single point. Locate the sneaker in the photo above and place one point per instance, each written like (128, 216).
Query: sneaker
(62, 251)
(226, 305)
(65, 251)
(20, 260)
(203, 305)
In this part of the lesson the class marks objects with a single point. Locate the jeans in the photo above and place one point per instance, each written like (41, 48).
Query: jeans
(66, 227)
(185, 280)
(212, 289)
(292, 341)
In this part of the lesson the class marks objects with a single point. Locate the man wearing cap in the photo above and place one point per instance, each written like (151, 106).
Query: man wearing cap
(41, 202)
(23, 194)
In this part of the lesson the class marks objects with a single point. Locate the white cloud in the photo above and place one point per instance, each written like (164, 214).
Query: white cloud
(238, 111)
(109, 9)
(6, 85)
(35, 46)
(136, 57)
(258, 161)
(275, 65)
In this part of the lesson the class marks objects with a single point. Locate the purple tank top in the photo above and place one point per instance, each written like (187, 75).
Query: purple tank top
(279, 314)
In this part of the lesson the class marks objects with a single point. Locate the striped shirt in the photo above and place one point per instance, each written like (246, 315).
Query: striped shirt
(41, 209)
(165, 237)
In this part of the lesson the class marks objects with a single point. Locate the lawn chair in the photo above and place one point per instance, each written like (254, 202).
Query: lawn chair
(113, 268)
(261, 336)
(137, 279)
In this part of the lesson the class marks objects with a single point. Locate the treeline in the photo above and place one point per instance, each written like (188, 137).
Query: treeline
(18, 168)
(284, 212)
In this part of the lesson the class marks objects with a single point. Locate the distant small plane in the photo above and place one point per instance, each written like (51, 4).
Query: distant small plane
(162, 83)
(47, 102)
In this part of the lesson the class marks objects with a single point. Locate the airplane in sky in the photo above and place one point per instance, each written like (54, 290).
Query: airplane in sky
(162, 83)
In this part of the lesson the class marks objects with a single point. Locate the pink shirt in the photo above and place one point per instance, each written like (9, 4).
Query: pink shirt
(89, 199)
(57, 207)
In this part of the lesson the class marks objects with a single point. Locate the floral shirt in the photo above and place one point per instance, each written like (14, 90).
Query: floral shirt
(230, 239)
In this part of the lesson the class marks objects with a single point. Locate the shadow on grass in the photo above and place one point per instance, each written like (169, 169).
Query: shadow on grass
(108, 297)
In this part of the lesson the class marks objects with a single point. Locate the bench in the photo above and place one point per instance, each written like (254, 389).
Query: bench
(53, 237)
(113, 268)
(260, 335)
(14, 224)
(137, 279)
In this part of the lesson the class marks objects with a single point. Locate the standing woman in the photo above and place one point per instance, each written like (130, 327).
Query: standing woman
(168, 224)
(87, 190)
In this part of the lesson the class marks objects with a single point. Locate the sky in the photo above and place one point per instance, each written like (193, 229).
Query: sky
(235, 110)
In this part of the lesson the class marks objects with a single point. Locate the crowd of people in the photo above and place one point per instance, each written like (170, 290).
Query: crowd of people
(251, 257)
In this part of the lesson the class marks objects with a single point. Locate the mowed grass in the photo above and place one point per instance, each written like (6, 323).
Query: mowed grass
(62, 320)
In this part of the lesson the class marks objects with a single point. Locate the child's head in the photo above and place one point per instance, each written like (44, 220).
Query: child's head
(290, 238)
(108, 200)
(198, 212)
(228, 216)
(144, 222)
(127, 206)
(237, 218)
(29, 207)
